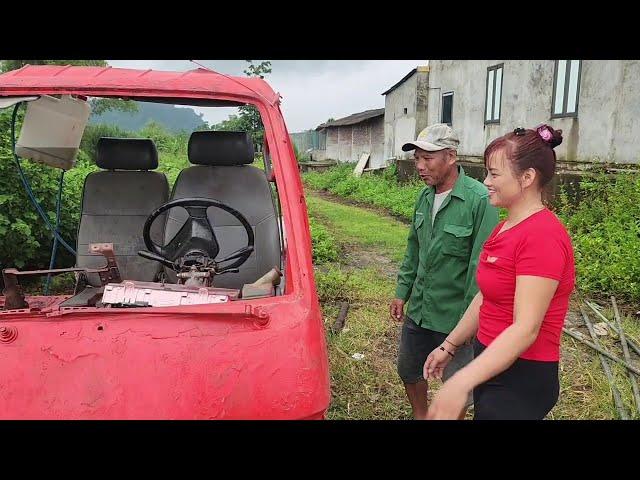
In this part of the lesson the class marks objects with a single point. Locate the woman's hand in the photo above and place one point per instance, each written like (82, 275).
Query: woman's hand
(437, 360)
(449, 401)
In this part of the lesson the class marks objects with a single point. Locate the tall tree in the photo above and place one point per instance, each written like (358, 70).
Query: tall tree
(233, 124)
(248, 116)
(259, 70)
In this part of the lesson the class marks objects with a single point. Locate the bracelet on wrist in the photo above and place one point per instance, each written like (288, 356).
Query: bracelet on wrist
(451, 343)
(445, 350)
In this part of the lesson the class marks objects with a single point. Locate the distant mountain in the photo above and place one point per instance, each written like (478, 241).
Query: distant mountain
(171, 117)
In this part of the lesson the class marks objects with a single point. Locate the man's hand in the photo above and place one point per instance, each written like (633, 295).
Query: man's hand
(396, 309)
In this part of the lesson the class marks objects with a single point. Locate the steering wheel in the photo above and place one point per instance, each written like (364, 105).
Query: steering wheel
(196, 238)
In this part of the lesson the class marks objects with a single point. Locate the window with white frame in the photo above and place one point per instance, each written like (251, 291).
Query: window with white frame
(566, 88)
(447, 108)
(494, 94)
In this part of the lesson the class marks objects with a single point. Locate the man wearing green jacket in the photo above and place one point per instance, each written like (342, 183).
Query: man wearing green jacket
(452, 219)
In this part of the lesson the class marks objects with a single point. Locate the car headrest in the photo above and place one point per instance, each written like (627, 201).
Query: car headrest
(127, 154)
(220, 148)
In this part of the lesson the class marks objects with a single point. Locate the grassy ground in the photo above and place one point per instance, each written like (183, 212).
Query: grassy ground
(371, 246)
(364, 276)
(585, 391)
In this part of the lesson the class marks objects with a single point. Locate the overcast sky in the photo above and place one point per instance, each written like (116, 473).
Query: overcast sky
(312, 90)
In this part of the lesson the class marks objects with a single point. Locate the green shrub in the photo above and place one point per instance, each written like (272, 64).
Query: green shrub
(378, 190)
(605, 231)
(300, 156)
(26, 241)
(92, 134)
(166, 142)
(323, 243)
(171, 164)
(604, 226)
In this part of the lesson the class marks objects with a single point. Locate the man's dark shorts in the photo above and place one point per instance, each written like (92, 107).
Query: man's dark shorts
(416, 343)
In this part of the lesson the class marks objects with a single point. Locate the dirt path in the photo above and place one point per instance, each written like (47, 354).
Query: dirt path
(330, 197)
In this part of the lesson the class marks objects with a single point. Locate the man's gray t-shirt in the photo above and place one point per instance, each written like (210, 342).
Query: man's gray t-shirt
(437, 203)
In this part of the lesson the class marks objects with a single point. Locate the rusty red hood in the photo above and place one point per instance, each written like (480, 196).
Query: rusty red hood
(138, 366)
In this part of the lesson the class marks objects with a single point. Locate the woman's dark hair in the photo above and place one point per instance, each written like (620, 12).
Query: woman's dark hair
(530, 148)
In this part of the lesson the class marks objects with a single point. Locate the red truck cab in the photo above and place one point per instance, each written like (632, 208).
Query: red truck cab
(192, 303)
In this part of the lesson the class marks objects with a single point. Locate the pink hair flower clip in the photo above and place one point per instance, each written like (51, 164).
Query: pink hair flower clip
(545, 133)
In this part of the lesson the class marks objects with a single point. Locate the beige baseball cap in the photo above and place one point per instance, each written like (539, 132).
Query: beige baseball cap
(434, 138)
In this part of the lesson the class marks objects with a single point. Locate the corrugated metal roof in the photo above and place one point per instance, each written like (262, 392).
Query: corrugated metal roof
(353, 119)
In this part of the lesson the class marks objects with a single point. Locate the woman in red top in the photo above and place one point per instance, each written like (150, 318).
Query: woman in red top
(525, 277)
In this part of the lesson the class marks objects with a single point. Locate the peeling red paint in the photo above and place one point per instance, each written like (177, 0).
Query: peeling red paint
(258, 359)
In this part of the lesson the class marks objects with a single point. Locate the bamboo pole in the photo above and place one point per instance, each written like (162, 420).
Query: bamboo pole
(617, 399)
(578, 336)
(630, 343)
(625, 350)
